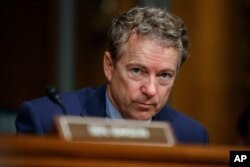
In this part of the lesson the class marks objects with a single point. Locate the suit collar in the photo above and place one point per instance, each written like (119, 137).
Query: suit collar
(96, 105)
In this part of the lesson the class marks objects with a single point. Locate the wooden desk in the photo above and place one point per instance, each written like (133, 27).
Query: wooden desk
(34, 151)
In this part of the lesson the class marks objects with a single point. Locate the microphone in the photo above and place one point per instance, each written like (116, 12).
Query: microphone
(54, 96)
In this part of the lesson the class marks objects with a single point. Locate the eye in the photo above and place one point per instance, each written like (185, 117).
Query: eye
(165, 75)
(165, 78)
(136, 70)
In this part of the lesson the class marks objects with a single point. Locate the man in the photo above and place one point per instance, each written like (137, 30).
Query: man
(146, 49)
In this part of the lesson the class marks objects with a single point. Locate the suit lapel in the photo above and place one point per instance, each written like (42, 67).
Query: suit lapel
(166, 114)
(96, 103)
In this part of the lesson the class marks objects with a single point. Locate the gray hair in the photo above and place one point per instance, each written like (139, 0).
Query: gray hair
(148, 22)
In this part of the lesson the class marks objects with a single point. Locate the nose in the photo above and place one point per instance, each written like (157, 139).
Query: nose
(149, 87)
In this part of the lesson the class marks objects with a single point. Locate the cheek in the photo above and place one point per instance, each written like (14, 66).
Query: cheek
(131, 89)
(127, 85)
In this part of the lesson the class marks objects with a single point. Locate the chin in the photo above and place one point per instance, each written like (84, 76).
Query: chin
(142, 117)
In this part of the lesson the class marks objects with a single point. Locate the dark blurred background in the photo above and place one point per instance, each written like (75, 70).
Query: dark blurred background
(61, 42)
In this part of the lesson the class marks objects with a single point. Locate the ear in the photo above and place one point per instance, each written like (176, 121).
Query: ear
(108, 65)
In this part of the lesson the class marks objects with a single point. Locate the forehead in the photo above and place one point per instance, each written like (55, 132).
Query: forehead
(145, 50)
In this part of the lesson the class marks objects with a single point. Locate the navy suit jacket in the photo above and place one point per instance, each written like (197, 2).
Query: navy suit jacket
(37, 116)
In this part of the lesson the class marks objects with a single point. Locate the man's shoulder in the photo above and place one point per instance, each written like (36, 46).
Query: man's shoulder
(186, 128)
(37, 115)
(66, 96)
(87, 92)
(74, 102)
(170, 114)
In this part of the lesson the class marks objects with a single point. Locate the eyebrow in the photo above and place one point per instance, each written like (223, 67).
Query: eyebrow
(144, 67)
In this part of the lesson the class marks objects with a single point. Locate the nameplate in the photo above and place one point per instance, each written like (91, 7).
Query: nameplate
(90, 129)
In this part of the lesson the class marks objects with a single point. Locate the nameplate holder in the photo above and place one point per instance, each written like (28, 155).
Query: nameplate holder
(104, 130)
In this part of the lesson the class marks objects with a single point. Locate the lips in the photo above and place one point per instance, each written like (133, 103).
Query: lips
(145, 103)
(143, 106)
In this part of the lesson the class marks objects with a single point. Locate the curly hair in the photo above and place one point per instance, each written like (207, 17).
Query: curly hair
(150, 22)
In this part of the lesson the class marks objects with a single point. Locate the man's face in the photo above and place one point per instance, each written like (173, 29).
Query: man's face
(140, 82)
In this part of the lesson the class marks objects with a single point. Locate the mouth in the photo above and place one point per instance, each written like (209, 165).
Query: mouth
(144, 106)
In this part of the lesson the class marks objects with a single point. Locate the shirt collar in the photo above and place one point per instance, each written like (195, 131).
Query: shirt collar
(111, 110)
